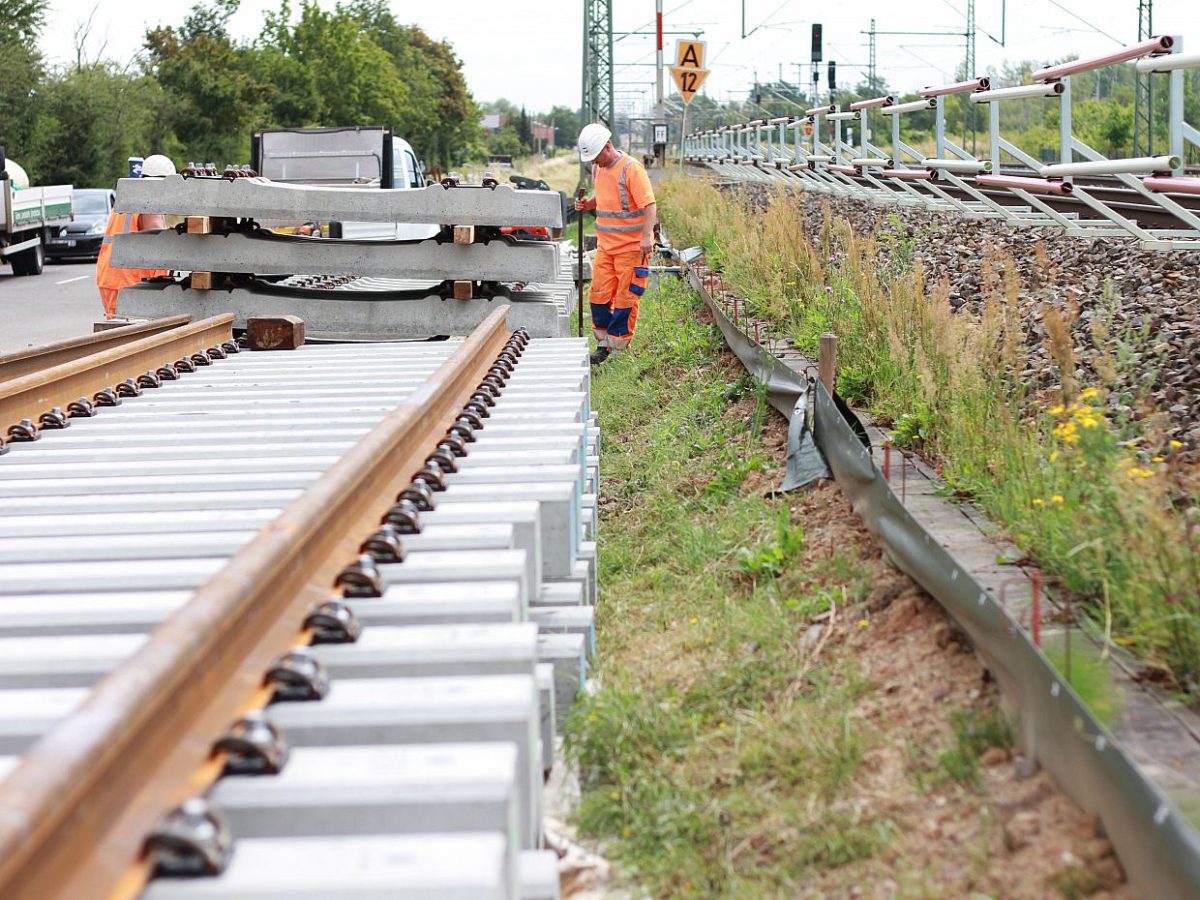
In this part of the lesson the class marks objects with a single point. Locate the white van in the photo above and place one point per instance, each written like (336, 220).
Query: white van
(358, 157)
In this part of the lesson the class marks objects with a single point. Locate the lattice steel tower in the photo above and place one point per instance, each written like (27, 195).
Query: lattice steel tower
(597, 103)
(1143, 90)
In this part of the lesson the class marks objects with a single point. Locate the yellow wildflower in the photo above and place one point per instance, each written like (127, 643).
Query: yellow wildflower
(614, 796)
(862, 623)
(1139, 472)
(1038, 501)
(693, 620)
(1089, 394)
(1158, 459)
(1067, 432)
(1058, 498)
(1174, 445)
(1056, 410)
(1053, 456)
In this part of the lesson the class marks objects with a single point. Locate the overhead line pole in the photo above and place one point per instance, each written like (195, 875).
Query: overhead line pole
(1143, 91)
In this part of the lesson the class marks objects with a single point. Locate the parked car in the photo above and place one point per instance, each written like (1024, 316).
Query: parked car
(81, 238)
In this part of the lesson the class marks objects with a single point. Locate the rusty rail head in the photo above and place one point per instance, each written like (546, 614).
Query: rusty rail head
(28, 396)
(76, 810)
(36, 359)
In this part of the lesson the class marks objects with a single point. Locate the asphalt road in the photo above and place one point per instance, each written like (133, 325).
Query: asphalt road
(60, 303)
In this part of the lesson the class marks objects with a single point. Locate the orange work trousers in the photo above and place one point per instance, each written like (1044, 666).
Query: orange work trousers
(618, 282)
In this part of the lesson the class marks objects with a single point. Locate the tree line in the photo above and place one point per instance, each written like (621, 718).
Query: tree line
(195, 92)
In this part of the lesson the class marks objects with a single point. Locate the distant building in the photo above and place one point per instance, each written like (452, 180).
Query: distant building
(543, 135)
(493, 122)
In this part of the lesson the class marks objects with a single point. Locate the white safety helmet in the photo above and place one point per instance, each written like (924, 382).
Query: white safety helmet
(592, 140)
(157, 166)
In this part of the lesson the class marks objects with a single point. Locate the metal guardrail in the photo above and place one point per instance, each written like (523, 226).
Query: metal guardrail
(954, 180)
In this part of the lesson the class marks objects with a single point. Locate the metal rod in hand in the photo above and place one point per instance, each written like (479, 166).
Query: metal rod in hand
(579, 299)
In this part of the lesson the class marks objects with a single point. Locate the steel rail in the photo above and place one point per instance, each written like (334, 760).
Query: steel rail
(28, 396)
(34, 359)
(75, 812)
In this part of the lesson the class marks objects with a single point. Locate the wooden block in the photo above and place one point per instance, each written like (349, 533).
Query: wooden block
(275, 332)
(199, 225)
(464, 290)
(203, 281)
(464, 234)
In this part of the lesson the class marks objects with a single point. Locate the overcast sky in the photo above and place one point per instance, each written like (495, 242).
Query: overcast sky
(529, 51)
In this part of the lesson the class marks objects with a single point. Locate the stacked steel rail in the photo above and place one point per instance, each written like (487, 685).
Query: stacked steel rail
(1149, 199)
(296, 623)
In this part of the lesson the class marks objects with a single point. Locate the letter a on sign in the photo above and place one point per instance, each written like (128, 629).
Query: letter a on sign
(689, 54)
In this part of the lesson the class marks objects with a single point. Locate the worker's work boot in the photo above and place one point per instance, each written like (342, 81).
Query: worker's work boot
(599, 356)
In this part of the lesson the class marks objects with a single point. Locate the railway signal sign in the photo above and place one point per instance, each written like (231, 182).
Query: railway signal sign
(689, 72)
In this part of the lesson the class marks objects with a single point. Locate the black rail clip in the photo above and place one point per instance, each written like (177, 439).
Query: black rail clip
(384, 545)
(361, 578)
(23, 432)
(404, 516)
(54, 419)
(333, 622)
(253, 746)
(297, 675)
(193, 839)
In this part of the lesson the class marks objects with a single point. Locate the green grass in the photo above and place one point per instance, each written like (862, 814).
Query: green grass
(711, 759)
(1088, 674)
(1102, 502)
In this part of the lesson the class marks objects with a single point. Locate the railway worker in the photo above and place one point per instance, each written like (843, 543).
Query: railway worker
(110, 280)
(625, 218)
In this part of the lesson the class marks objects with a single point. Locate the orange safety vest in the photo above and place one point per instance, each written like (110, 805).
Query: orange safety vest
(113, 279)
(618, 222)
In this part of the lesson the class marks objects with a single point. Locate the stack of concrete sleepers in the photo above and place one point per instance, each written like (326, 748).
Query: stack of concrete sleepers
(419, 774)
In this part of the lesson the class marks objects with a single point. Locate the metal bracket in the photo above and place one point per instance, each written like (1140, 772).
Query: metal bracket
(106, 397)
(83, 408)
(54, 419)
(23, 432)
(404, 516)
(455, 443)
(333, 622)
(185, 364)
(168, 372)
(384, 545)
(193, 839)
(433, 476)
(361, 578)
(444, 457)
(149, 380)
(128, 388)
(420, 495)
(200, 359)
(253, 746)
(297, 675)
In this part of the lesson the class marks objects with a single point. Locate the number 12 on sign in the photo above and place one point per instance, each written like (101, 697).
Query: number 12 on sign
(688, 81)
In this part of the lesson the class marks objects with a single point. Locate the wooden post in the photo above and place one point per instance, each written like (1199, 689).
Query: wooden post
(827, 362)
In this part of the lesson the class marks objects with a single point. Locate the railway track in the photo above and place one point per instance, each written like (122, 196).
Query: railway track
(291, 624)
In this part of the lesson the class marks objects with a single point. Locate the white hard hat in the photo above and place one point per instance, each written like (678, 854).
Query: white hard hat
(592, 140)
(157, 166)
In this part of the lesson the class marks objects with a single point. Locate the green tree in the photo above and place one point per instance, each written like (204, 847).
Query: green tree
(20, 25)
(214, 100)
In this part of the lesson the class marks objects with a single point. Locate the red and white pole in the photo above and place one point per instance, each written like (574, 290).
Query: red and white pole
(660, 116)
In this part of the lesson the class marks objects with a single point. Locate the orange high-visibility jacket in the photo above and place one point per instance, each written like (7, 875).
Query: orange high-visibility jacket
(623, 192)
(111, 278)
